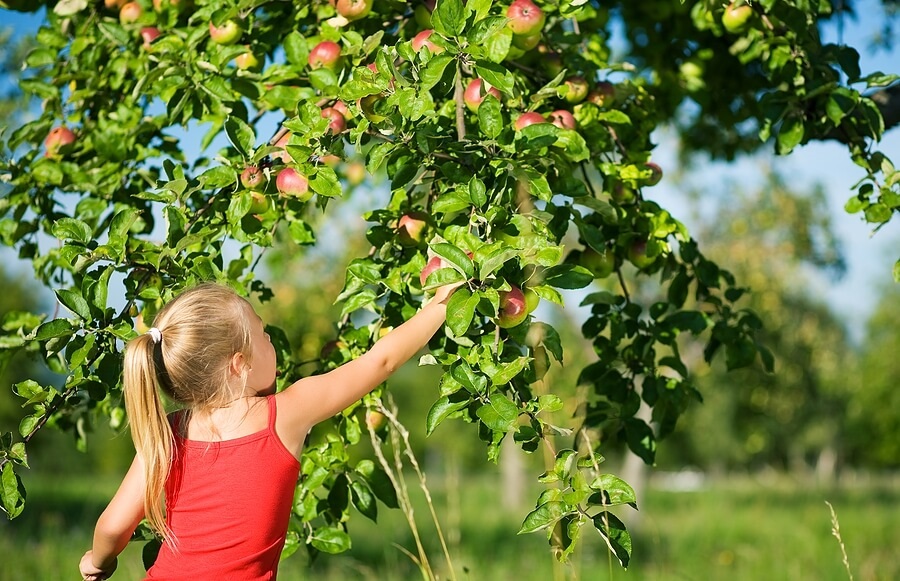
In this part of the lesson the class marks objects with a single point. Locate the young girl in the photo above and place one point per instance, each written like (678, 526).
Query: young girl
(217, 478)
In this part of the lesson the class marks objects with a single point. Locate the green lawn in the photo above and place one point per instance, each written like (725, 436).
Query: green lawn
(736, 529)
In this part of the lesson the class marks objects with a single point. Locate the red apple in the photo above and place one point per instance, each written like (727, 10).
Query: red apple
(227, 34)
(621, 192)
(353, 9)
(530, 118)
(247, 61)
(735, 17)
(326, 54)
(113, 4)
(148, 35)
(474, 94)
(57, 139)
(656, 173)
(342, 108)
(435, 263)
(158, 4)
(252, 177)
(603, 94)
(355, 172)
(563, 119)
(291, 183)
(422, 40)
(574, 89)
(130, 12)
(637, 253)
(513, 309)
(411, 228)
(283, 155)
(525, 18)
(336, 124)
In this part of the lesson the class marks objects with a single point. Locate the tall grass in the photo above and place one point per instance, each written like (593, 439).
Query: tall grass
(736, 529)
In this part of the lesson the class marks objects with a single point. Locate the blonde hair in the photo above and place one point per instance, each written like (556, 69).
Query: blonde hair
(201, 330)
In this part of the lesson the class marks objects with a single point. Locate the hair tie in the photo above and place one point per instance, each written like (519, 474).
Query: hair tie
(155, 334)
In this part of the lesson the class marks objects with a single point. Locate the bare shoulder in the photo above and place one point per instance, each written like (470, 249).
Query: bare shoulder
(292, 420)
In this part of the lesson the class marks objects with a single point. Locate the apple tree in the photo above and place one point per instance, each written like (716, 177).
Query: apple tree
(517, 155)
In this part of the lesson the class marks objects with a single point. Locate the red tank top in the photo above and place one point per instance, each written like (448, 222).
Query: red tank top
(228, 504)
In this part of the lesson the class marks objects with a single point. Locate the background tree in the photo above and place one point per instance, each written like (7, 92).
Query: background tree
(487, 186)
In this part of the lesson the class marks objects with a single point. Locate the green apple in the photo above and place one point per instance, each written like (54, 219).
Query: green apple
(229, 33)
(736, 17)
(601, 264)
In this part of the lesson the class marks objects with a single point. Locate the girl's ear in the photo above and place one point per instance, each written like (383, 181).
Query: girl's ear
(238, 364)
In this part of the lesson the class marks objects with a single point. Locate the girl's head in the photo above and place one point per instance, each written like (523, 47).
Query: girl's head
(208, 348)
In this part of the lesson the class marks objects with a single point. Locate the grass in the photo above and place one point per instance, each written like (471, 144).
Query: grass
(736, 529)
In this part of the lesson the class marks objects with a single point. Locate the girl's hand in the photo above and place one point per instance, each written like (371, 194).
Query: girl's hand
(442, 293)
(91, 573)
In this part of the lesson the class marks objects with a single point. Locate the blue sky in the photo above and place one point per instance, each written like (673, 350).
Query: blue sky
(870, 259)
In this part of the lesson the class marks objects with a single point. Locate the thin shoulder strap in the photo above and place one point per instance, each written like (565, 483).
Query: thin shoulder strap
(273, 411)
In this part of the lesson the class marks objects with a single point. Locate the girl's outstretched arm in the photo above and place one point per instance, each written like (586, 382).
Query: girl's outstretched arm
(116, 525)
(318, 397)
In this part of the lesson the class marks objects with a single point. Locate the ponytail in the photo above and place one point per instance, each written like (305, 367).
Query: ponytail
(150, 428)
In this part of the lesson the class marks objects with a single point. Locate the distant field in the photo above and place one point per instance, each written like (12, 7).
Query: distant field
(735, 529)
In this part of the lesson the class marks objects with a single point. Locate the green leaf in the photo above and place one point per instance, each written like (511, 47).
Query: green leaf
(544, 516)
(443, 408)
(499, 414)
(363, 499)
(508, 371)
(240, 135)
(840, 103)
(218, 177)
(72, 229)
(897, 271)
(612, 491)
(616, 536)
(53, 329)
(490, 117)
(379, 481)
(789, 135)
(461, 310)
(12, 492)
(640, 440)
(434, 70)
(326, 183)
(73, 301)
(496, 75)
(568, 276)
(740, 353)
(456, 257)
(448, 18)
(330, 540)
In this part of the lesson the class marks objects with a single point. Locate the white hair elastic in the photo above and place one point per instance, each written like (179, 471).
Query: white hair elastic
(155, 334)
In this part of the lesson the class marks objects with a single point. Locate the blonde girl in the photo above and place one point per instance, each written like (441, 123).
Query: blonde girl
(216, 479)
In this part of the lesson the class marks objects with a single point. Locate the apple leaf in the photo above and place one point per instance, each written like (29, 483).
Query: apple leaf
(490, 116)
(612, 491)
(461, 310)
(73, 301)
(240, 135)
(616, 536)
(443, 408)
(448, 18)
(499, 414)
(496, 75)
(362, 498)
(11, 492)
(456, 257)
(568, 276)
(789, 135)
(434, 70)
(543, 516)
(330, 540)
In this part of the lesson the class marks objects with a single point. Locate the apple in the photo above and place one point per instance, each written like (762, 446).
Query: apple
(532, 300)
(656, 173)
(637, 254)
(474, 94)
(252, 177)
(148, 35)
(421, 41)
(526, 41)
(513, 309)
(342, 108)
(292, 183)
(326, 54)
(57, 140)
(563, 119)
(552, 61)
(130, 12)
(336, 124)
(158, 4)
(422, 15)
(434, 263)
(330, 159)
(113, 4)
(601, 264)
(375, 420)
(621, 192)
(574, 89)
(525, 18)
(353, 9)
(229, 33)
(735, 17)
(603, 94)
(530, 118)
(247, 61)
(411, 228)
(259, 203)
(283, 155)
(355, 172)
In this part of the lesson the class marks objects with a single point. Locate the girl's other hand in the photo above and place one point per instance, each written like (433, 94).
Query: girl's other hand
(91, 573)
